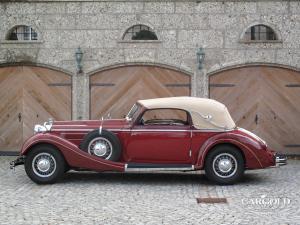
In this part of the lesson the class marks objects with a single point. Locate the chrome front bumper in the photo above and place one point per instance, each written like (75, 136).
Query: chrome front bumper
(280, 160)
(18, 161)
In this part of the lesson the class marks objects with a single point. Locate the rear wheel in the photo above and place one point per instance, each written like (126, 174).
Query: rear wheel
(44, 164)
(224, 164)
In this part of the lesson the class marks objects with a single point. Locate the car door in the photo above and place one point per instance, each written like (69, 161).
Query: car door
(164, 138)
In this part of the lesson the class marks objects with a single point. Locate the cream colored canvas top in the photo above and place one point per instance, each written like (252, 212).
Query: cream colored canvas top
(205, 113)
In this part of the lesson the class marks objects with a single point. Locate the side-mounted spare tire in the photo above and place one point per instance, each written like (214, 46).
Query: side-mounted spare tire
(105, 145)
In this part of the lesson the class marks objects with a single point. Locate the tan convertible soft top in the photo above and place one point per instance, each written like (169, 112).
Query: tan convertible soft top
(206, 113)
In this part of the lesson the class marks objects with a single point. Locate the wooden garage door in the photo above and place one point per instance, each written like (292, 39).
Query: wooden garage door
(30, 95)
(114, 91)
(265, 100)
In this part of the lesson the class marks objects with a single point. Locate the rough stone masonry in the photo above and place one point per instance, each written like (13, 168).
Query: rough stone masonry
(181, 26)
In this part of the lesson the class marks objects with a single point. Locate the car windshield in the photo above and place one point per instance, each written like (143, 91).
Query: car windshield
(133, 112)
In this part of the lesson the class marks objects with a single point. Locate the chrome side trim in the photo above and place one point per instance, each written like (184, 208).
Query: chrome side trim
(172, 130)
(148, 169)
(70, 125)
(126, 130)
(142, 130)
(158, 130)
(212, 130)
(68, 130)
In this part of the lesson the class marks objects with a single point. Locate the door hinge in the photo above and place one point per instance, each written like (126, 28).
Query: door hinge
(178, 85)
(103, 84)
(190, 153)
(256, 119)
(292, 85)
(221, 85)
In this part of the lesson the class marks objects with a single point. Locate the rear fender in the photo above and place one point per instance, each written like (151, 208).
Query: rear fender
(245, 144)
(74, 156)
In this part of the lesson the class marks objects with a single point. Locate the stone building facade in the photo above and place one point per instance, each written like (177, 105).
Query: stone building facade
(182, 27)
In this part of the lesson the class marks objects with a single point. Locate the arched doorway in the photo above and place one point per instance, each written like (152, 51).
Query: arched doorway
(30, 95)
(263, 99)
(115, 90)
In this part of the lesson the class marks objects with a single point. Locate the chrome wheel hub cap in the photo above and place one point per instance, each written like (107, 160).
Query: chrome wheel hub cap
(225, 165)
(44, 164)
(100, 147)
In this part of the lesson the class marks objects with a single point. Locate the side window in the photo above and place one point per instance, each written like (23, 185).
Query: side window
(165, 117)
(260, 32)
(22, 33)
(139, 32)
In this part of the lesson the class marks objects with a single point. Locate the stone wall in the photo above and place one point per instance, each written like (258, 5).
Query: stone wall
(181, 26)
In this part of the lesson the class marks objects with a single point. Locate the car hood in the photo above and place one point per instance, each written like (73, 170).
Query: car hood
(90, 124)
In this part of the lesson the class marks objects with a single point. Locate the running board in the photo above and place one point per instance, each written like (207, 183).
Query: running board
(157, 167)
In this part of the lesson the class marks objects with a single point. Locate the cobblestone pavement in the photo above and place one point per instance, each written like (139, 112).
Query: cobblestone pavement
(270, 196)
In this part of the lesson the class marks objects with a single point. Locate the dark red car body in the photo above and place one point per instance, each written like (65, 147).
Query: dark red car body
(151, 144)
(167, 134)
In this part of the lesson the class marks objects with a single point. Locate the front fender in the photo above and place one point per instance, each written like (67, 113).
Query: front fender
(256, 157)
(74, 156)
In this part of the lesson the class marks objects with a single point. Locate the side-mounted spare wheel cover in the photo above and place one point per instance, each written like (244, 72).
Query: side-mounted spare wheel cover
(105, 145)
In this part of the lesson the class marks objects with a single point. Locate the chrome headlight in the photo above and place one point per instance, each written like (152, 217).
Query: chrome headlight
(39, 128)
(47, 127)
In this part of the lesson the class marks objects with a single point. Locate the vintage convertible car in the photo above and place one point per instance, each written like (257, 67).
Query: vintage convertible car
(163, 134)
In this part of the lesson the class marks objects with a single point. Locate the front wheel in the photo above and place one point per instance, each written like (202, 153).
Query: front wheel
(44, 164)
(224, 164)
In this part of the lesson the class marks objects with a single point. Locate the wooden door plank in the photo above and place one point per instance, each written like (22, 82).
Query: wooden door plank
(131, 84)
(24, 91)
(262, 91)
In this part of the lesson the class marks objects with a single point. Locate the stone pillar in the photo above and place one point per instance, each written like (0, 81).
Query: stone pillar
(193, 84)
(200, 76)
(201, 83)
(80, 101)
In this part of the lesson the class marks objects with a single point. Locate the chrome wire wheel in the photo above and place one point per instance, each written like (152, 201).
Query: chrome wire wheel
(225, 165)
(44, 164)
(100, 147)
